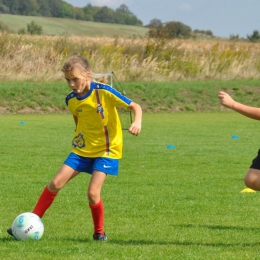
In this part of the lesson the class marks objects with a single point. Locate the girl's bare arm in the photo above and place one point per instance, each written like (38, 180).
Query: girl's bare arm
(227, 101)
(136, 126)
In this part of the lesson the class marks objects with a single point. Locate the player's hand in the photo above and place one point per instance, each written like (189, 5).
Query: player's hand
(135, 129)
(225, 99)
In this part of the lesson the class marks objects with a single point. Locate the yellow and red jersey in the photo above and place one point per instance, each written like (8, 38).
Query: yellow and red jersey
(99, 131)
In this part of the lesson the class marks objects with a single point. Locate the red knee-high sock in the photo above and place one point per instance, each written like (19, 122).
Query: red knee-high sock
(97, 211)
(44, 202)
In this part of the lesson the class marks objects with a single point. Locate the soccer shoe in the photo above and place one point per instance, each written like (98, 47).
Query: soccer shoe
(10, 232)
(98, 236)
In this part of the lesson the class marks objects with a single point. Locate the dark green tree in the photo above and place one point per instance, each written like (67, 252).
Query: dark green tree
(233, 37)
(170, 30)
(4, 9)
(123, 15)
(124, 10)
(79, 13)
(89, 11)
(55, 7)
(207, 32)
(132, 20)
(177, 30)
(255, 37)
(13, 6)
(33, 28)
(104, 15)
(28, 7)
(67, 11)
(155, 23)
(45, 8)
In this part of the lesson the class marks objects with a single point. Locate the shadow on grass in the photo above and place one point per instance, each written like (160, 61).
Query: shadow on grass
(195, 243)
(218, 227)
(179, 243)
(77, 240)
(140, 242)
(143, 242)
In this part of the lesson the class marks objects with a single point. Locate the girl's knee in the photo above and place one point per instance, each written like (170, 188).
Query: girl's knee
(93, 196)
(252, 179)
(54, 186)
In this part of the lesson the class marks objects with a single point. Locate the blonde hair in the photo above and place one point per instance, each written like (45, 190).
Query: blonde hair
(78, 65)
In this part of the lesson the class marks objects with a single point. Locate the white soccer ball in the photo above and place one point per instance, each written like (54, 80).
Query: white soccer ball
(27, 226)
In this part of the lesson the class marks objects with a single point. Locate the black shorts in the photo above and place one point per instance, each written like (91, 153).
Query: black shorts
(256, 162)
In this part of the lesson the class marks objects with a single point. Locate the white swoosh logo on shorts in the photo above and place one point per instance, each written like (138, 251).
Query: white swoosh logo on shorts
(105, 166)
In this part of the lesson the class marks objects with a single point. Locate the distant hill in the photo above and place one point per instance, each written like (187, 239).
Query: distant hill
(60, 26)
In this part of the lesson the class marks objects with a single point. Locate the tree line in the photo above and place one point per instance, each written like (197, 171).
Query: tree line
(170, 30)
(62, 9)
(173, 29)
(121, 15)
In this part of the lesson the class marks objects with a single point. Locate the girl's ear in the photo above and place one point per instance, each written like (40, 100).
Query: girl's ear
(89, 75)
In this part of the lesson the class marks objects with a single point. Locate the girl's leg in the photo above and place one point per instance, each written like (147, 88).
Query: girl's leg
(49, 193)
(252, 179)
(95, 203)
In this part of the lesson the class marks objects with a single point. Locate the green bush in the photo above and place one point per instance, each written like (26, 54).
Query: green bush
(34, 29)
(22, 31)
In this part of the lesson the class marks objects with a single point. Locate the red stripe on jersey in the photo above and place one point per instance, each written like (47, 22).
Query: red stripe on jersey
(97, 96)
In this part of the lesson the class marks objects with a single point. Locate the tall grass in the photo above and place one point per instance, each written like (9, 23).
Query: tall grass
(24, 57)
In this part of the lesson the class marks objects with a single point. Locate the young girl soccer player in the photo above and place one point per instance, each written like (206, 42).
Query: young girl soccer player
(252, 178)
(97, 141)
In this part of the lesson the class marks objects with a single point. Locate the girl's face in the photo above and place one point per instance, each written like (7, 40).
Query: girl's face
(77, 83)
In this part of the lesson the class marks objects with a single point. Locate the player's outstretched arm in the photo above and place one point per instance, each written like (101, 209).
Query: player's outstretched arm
(135, 127)
(227, 101)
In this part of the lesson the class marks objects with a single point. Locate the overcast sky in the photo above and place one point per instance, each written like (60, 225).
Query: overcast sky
(222, 17)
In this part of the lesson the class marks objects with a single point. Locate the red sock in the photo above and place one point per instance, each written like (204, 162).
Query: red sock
(44, 202)
(98, 217)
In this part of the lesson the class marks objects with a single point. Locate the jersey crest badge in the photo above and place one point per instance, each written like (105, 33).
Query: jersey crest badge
(78, 141)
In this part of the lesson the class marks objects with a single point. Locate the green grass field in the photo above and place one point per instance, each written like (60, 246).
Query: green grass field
(59, 26)
(181, 203)
(195, 96)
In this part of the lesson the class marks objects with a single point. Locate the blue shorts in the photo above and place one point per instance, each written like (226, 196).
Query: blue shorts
(86, 164)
